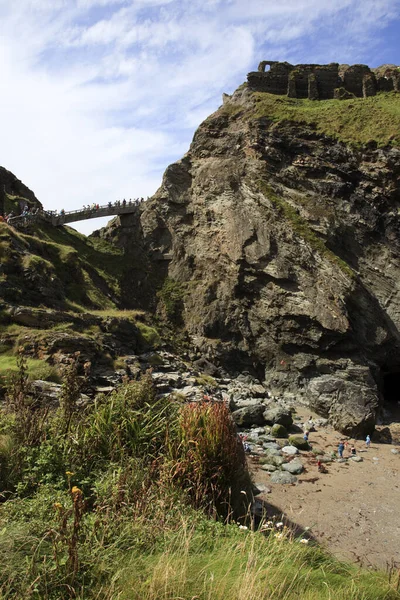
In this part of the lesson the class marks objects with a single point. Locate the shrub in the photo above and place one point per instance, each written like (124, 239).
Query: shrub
(150, 337)
(209, 460)
(171, 300)
(206, 381)
(130, 421)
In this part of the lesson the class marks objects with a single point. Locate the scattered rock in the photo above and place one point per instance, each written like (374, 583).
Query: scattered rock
(260, 488)
(299, 442)
(237, 403)
(278, 415)
(273, 451)
(294, 467)
(289, 450)
(249, 415)
(357, 458)
(279, 431)
(268, 467)
(282, 477)
(271, 446)
(324, 459)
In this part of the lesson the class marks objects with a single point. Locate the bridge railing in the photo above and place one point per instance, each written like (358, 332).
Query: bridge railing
(89, 212)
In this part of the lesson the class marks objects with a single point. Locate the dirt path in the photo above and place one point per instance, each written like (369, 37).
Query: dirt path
(353, 508)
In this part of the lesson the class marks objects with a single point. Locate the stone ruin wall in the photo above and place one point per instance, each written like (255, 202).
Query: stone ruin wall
(323, 82)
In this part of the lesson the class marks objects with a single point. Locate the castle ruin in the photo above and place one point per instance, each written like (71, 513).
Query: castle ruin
(323, 82)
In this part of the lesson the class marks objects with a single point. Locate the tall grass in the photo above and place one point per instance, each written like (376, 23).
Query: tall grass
(110, 503)
(208, 458)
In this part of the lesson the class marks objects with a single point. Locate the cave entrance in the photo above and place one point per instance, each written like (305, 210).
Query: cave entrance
(391, 388)
(391, 397)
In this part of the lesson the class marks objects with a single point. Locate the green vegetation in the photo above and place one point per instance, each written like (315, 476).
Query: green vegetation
(356, 121)
(206, 381)
(87, 494)
(302, 228)
(171, 299)
(76, 272)
(113, 502)
(116, 513)
(36, 369)
(150, 336)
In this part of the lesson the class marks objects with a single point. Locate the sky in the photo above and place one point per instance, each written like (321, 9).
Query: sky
(98, 97)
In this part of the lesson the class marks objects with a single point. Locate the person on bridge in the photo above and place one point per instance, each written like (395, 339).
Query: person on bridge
(124, 202)
(110, 205)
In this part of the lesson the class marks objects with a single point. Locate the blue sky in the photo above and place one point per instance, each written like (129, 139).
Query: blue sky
(99, 96)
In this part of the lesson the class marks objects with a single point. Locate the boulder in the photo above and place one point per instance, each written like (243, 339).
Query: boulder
(271, 446)
(298, 442)
(324, 459)
(273, 452)
(268, 467)
(289, 450)
(278, 415)
(356, 458)
(282, 477)
(249, 415)
(236, 403)
(349, 398)
(279, 431)
(294, 467)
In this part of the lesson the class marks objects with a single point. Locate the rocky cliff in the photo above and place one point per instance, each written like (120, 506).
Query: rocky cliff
(281, 226)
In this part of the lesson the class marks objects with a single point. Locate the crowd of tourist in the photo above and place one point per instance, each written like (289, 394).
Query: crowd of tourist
(28, 213)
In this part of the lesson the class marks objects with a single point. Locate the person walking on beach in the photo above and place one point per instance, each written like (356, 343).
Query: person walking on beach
(341, 449)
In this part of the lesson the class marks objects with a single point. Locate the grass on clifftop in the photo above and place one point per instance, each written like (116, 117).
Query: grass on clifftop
(357, 121)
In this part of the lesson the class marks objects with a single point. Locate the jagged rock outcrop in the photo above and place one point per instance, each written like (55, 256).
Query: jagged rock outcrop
(11, 185)
(287, 244)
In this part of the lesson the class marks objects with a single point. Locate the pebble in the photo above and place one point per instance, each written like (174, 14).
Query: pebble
(260, 488)
(394, 451)
(290, 450)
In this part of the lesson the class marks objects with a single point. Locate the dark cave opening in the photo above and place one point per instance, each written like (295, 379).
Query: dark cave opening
(391, 388)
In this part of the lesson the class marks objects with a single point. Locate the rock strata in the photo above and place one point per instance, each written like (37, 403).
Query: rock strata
(286, 243)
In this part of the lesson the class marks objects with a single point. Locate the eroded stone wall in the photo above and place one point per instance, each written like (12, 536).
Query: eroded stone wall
(322, 82)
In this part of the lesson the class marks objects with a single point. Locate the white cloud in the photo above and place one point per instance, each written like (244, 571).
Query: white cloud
(100, 95)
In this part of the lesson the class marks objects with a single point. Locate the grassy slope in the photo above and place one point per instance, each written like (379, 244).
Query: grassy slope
(357, 121)
(138, 536)
(88, 270)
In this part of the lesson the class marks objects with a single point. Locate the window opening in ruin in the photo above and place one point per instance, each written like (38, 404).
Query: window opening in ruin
(267, 68)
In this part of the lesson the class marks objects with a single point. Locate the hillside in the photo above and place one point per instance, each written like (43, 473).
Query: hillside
(261, 282)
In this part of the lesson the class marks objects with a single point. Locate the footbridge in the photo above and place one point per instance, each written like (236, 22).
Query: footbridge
(64, 217)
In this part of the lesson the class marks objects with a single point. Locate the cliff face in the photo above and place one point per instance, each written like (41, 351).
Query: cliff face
(286, 242)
